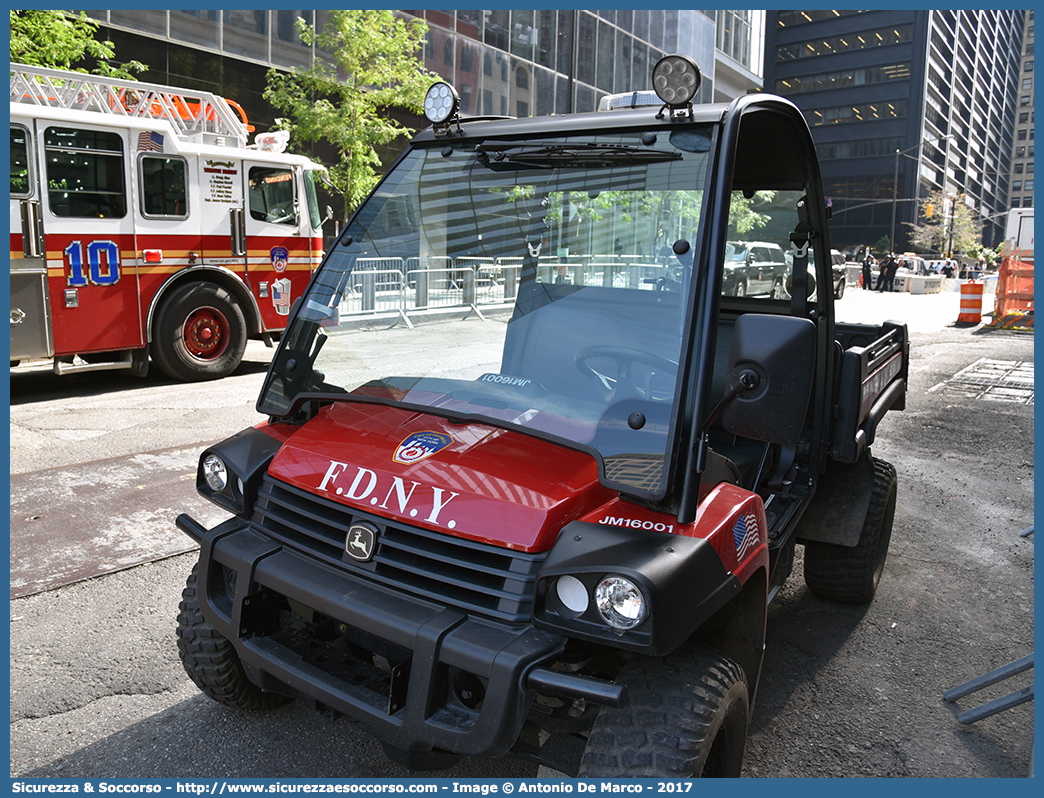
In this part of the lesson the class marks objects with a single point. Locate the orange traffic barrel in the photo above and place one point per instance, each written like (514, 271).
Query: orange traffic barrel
(971, 303)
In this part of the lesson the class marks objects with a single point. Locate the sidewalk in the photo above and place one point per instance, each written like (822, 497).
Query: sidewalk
(921, 312)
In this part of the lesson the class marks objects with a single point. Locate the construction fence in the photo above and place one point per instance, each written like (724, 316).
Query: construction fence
(1013, 306)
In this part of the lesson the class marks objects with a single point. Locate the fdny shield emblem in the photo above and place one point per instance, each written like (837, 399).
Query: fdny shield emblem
(280, 257)
(420, 445)
(361, 541)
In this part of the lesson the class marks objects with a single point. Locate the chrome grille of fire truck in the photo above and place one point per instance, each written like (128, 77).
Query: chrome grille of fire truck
(479, 578)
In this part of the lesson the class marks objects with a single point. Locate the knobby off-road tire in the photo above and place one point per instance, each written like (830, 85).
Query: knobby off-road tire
(211, 660)
(686, 716)
(199, 333)
(851, 574)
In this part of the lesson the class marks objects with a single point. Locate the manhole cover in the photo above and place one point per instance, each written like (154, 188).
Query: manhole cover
(993, 381)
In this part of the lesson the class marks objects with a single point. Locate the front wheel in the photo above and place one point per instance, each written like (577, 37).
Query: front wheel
(211, 660)
(686, 716)
(199, 333)
(840, 290)
(851, 573)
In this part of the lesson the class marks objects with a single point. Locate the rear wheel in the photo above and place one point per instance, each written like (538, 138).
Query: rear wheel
(211, 660)
(840, 290)
(686, 716)
(199, 333)
(851, 574)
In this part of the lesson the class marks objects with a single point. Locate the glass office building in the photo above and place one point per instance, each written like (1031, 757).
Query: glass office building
(503, 62)
(513, 62)
(1021, 190)
(940, 87)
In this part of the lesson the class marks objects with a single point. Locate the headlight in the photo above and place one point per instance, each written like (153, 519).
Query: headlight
(676, 79)
(441, 103)
(572, 593)
(620, 602)
(215, 472)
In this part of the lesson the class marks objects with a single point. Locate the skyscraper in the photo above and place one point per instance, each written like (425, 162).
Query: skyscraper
(902, 103)
(1022, 155)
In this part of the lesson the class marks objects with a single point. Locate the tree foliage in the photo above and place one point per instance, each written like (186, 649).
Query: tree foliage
(370, 63)
(989, 255)
(58, 40)
(948, 224)
(744, 214)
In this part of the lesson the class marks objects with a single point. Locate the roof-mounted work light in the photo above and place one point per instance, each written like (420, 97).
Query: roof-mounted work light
(441, 105)
(676, 79)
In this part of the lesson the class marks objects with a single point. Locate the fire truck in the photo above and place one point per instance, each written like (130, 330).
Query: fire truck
(144, 226)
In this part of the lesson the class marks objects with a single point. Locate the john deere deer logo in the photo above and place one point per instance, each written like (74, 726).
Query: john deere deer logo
(361, 541)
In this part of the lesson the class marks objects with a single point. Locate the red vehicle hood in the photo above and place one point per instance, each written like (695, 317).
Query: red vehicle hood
(465, 479)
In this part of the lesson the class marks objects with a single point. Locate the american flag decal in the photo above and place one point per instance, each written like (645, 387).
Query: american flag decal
(746, 534)
(150, 142)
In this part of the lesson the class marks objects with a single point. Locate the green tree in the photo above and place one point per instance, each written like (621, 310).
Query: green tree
(948, 224)
(58, 40)
(989, 255)
(370, 63)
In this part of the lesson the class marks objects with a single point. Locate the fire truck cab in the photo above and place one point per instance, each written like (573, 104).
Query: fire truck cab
(144, 226)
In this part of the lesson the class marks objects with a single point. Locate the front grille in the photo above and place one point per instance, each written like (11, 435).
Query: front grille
(451, 571)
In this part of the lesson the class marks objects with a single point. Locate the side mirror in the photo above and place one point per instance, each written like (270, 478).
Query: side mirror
(329, 214)
(771, 369)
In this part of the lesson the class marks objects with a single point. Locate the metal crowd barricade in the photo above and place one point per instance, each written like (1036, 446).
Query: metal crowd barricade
(643, 275)
(1002, 673)
(376, 287)
(432, 288)
(481, 268)
(601, 272)
(557, 272)
(504, 285)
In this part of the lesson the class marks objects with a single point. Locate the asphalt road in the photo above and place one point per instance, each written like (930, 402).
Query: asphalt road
(104, 462)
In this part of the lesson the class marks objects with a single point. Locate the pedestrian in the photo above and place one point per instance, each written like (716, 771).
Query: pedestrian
(868, 274)
(886, 276)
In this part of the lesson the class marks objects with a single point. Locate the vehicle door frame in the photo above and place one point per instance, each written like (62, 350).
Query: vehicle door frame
(94, 303)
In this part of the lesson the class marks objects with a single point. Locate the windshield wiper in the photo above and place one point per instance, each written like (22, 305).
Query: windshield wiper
(551, 155)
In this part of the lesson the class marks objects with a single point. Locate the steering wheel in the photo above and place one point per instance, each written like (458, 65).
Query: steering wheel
(624, 358)
(280, 216)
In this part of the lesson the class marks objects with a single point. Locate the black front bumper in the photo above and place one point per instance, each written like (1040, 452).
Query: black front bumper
(416, 698)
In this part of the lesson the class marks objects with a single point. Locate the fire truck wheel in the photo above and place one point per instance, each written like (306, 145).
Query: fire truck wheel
(851, 574)
(199, 334)
(211, 660)
(686, 716)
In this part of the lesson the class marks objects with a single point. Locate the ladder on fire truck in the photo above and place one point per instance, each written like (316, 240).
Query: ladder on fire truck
(197, 116)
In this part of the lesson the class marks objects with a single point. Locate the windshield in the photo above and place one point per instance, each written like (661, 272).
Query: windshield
(568, 262)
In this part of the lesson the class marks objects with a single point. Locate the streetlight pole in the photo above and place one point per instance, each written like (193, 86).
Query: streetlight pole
(895, 180)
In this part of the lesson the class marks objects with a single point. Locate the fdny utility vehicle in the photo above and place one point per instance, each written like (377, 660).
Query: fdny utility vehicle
(143, 224)
(554, 532)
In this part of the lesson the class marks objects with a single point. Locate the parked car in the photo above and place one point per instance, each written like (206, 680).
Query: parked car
(754, 267)
(840, 272)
